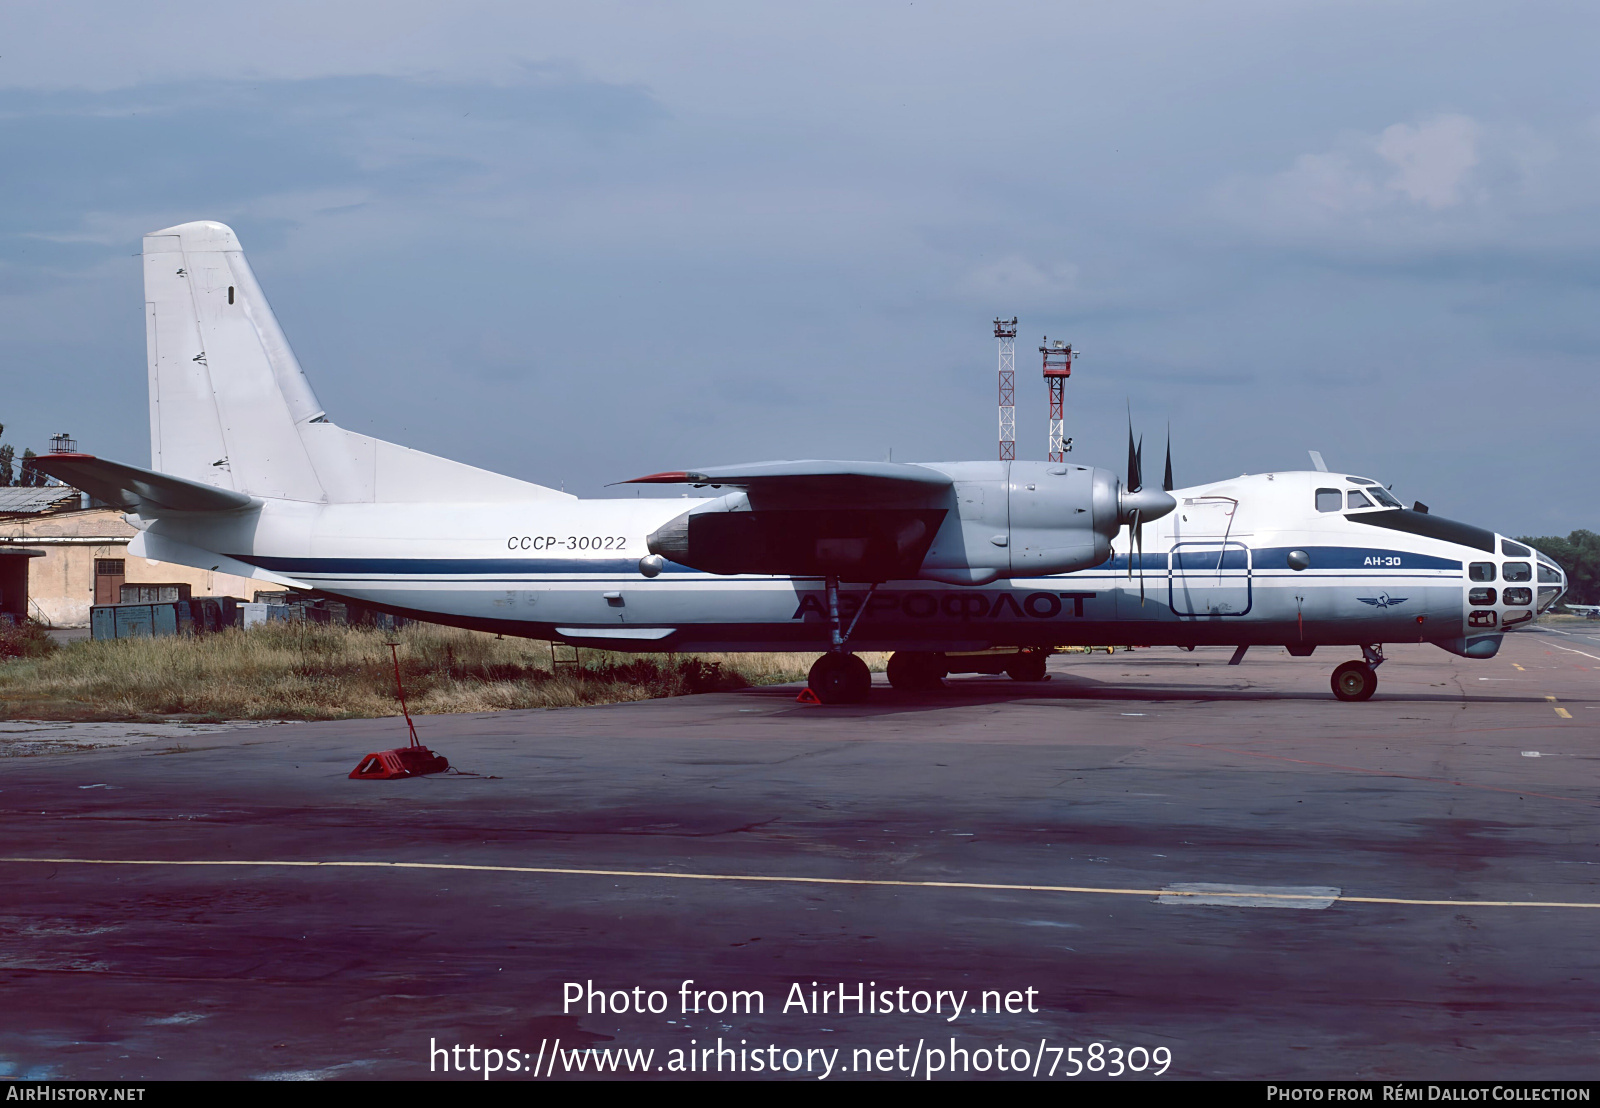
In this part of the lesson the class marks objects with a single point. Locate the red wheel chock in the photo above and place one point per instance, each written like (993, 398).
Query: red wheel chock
(415, 760)
(807, 696)
(402, 761)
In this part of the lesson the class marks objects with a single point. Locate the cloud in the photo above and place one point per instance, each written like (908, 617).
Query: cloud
(1430, 160)
(1020, 281)
(1451, 196)
(77, 160)
(1405, 172)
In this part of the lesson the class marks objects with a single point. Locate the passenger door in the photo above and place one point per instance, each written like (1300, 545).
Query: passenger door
(1210, 580)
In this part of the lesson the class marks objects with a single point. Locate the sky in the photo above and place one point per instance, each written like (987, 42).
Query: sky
(580, 243)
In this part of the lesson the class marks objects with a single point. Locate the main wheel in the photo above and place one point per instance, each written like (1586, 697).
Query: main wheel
(1354, 681)
(916, 671)
(1028, 667)
(840, 679)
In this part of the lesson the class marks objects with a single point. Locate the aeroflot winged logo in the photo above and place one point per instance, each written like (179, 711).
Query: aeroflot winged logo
(1382, 600)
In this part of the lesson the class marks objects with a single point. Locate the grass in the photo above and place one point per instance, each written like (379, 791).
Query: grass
(305, 671)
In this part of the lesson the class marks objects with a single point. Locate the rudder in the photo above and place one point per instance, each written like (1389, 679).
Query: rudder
(231, 407)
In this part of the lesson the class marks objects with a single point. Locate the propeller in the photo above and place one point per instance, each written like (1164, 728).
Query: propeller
(1140, 506)
(1166, 482)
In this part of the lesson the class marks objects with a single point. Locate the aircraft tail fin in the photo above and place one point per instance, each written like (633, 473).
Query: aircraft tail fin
(230, 406)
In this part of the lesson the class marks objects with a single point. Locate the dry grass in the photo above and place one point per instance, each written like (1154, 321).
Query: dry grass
(313, 671)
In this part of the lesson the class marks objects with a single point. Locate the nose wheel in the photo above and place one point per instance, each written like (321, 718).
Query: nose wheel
(1358, 680)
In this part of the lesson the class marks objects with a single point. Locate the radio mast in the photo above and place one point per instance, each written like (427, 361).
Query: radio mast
(1007, 334)
(1057, 368)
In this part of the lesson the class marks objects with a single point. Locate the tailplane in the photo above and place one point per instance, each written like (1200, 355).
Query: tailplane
(230, 406)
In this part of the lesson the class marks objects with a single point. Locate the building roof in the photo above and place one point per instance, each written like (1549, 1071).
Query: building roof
(25, 500)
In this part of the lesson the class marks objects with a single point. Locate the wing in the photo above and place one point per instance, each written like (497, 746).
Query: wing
(142, 491)
(865, 521)
(810, 481)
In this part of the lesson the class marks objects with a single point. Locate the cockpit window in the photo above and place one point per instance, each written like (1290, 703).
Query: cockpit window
(1517, 571)
(1514, 549)
(1383, 496)
(1329, 500)
(1361, 481)
(1355, 500)
(1480, 571)
(1549, 575)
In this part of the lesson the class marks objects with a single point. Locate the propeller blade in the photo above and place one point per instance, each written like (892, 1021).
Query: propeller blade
(1135, 483)
(1166, 484)
(1133, 536)
(1138, 530)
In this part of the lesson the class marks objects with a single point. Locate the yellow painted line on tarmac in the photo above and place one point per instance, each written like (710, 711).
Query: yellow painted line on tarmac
(1519, 667)
(1560, 711)
(1087, 890)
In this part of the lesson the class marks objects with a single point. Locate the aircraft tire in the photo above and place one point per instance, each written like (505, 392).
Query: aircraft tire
(840, 679)
(1029, 667)
(1354, 681)
(916, 671)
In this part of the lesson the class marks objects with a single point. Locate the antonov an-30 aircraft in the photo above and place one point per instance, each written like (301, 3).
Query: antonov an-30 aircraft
(953, 566)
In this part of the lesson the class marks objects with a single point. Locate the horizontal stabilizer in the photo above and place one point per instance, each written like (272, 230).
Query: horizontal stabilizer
(141, 491)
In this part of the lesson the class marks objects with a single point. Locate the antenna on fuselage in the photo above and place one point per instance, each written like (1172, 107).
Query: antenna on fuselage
(1316, 460)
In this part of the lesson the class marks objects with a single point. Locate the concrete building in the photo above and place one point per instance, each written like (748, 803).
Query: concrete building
(85, 557)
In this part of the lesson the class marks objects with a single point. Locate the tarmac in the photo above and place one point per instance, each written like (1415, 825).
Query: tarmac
(1222, 863)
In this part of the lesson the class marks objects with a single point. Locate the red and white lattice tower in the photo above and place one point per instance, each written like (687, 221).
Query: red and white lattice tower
(1057, 368)
(1007, 334)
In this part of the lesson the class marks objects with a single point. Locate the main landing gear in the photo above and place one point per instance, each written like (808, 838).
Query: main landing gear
(1358, 680)
(839, 677)
(920, 671)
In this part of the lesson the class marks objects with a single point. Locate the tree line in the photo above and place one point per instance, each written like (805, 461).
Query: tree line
(11, 474)
(1579, 555)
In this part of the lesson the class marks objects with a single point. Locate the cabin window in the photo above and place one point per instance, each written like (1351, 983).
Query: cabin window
(1514, 549)
(1480, 571)
(1481, 619)
(230, 294)
(1383, 496)
(1547, 597)
(1549, 575)
(1520, 615)
(1519, 596)
(1481, 596)
(1329, 500)
(1517, 571)
(1356, 500)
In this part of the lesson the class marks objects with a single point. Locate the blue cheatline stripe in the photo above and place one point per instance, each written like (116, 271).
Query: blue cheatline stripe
(513, 566)
(1277, 557)
(1370, 559)
(1352, 557)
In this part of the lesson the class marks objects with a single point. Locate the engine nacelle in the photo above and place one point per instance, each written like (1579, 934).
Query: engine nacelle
(993, 520)
(1024, 519)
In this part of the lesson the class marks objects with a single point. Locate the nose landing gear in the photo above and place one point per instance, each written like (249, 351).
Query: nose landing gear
(1358, 680)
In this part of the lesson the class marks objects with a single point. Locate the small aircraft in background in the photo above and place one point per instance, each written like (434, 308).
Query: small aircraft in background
(975, 566)
(1587, 611)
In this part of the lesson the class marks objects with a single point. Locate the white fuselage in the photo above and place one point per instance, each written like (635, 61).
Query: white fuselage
(1216, 570)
